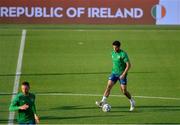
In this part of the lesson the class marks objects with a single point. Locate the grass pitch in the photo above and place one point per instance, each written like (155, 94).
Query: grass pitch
(61, 62)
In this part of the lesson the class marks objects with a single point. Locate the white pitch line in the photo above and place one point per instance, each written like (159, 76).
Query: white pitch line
(98, 95)
(151, 97)
(18, 73)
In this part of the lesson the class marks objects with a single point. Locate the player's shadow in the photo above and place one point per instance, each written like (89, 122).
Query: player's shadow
(76, 107)
(77, 117)
(72, 107)
(124, 109)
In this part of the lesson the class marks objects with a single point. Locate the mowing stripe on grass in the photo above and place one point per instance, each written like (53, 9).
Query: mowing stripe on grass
(104, 30)
(98, 95)
(18, 73)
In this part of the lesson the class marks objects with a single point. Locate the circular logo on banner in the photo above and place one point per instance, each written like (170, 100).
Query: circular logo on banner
(158, 11)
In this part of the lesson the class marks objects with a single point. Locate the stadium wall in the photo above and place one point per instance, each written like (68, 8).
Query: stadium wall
(89, 12)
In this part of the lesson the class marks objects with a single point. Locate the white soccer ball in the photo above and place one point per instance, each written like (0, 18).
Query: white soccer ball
(106, 108)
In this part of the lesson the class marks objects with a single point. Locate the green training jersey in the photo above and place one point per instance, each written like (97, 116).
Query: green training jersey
(24, 116)
(119, 60)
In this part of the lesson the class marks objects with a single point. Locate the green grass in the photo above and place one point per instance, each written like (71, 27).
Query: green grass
(69, 60)
(9, 47)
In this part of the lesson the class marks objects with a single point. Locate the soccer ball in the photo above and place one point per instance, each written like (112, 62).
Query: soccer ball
(106, 108)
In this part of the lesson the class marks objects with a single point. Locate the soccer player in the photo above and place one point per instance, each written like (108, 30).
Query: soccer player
(121, 65)
(24, 103)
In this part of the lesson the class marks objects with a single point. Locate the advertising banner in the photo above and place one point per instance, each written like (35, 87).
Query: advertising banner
(139, 12)
(77, 11)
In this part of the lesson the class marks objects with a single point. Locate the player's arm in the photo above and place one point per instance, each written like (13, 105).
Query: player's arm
(36, 118)
(128, 66)
(35, 113)
(14, 105)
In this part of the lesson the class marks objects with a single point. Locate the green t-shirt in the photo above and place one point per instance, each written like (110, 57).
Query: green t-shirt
(24, 116)
(119, 60)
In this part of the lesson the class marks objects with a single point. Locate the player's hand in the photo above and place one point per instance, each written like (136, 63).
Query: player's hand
(24, 107)
(36, 118)
(122, 77)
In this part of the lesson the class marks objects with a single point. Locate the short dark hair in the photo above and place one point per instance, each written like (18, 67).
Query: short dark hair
(25, 83)
(116, 43)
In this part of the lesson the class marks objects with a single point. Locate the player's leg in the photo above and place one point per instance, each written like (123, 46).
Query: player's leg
(106, 94)
(124, 91)
(108, 90)
(123, 87)
(112, 80)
